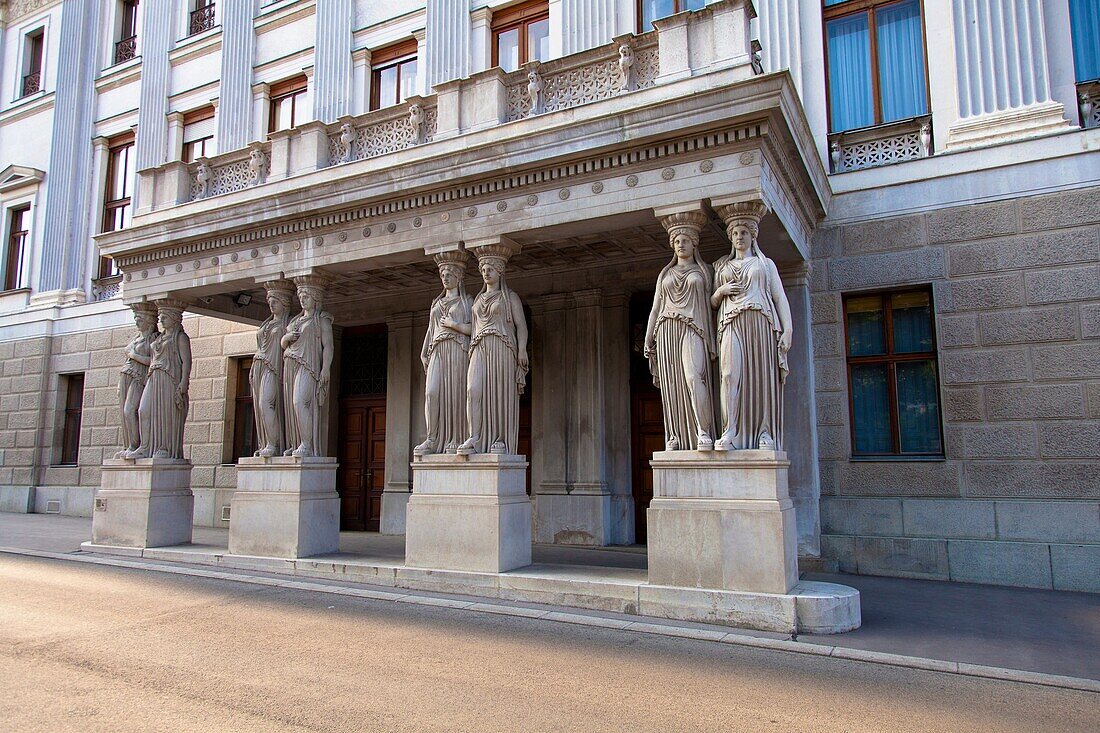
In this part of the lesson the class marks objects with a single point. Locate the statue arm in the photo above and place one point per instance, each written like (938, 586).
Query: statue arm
(184, 342)
(521, 328)
(651, 325)
(326, 357)
(428, 335)
(782, 307)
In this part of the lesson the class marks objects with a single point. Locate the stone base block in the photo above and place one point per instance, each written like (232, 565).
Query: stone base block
(143, 503)
(573, 519)
(1045, 118)
(17, 499)
(285, 507)
(392, 520)
(722, 520)
(468, 513)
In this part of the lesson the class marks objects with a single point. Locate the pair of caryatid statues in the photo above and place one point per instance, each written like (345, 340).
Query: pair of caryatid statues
(735, 311)
(475, 359)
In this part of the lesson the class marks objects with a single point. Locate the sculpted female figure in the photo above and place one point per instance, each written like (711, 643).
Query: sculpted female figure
(131, 382)
(266, 376)
(754, 336)
(498, 360)
(446, 359)
(308, 355)
(679, 340)
(164, 401)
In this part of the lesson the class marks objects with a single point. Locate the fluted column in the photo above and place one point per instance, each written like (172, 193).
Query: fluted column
(235, 108)
(780, 38)
(332, 60)
(448, 34)
(1003, 81)
(399, 421)
(151, 146)
(587, 24)
(65, 236)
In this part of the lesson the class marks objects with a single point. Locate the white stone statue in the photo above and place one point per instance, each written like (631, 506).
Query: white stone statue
(307, 364)
(135, 371)
(754, 336)
(535, 86)
(498, 360)
(266, 377)
(347, 140)
(416, 122)
(679, 341)
(446, 359)
(162, 411)
(257, 167)
(204, 175)
(626, 68)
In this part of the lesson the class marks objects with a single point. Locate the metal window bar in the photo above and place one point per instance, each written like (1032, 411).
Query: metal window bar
(126, 49)
(202, 19)
(32, 83)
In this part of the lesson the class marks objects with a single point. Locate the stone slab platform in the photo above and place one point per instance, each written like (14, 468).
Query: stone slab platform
(810, 608)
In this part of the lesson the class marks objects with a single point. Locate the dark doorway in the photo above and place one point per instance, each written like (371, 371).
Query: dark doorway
(361, 450)
(647, 429)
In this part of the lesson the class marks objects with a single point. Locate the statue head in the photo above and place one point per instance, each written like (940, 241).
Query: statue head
(626, 53)
(280, 297)
(743, 233)
(533, 77)
(492, 269)
(171, 317)
(145, 317)
(450, 274)
(311, 291)
(684, 240)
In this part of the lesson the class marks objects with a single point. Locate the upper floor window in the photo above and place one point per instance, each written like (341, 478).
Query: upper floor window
(876, 65)
(202, 17)
(117, 193)
(34, 44)
(521, 33)
(1084, 19)
(287, 98)
(651, 10)
(126, 45)
(198, 134)
(18, 231)
(892, 374)
(393, 74)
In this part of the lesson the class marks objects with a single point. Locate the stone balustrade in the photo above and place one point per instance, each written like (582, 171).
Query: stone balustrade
(881, 145)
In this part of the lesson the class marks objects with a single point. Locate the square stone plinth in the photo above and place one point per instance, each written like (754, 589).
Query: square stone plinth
(469, 513)
(142, 503)
(285, 507)
(722, 520)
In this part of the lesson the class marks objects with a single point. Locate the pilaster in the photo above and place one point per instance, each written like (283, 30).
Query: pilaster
(448, 42)
(587, 24)
(332, 97)
(235, 115)
(399, 422)
(175, 136)
(360, 81)
(481, 40)
(151, 145)
(781, 38)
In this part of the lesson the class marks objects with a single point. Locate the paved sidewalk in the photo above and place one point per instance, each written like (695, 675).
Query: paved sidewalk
(1049, 632)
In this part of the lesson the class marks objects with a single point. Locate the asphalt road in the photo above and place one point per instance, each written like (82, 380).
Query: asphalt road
(95, 648)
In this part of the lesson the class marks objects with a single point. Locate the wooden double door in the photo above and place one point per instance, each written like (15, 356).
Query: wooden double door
(361, 478)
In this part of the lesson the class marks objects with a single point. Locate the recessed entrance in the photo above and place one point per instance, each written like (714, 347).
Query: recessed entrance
(647, 428)
(361, 448)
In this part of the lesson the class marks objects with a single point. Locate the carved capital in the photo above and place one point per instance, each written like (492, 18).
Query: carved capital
(314, 285)
(497, 248)
(455, 258)
(752, 211)
(282, 290)
(692, 221)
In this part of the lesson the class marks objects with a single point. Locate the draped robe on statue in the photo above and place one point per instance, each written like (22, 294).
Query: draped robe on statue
(163, 411)
(448, 356)
(493, 358)
(304, 355)
(267, 364)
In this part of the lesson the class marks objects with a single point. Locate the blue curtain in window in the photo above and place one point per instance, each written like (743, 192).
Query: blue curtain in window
(850, 102)
(871, 409)
(918, 407)
(900, 61)
(1084, 19)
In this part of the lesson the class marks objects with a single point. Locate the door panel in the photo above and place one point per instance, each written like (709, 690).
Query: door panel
(647, 432)
(362, 455)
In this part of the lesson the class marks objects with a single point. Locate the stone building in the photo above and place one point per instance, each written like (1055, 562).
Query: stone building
(931, 168)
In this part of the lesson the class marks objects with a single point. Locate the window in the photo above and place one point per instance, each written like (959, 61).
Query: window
(520, 34)
(126, 46)
(876, 65)
(651, 10)
(198, 134)
(1084, 20)
(116, 204)
(202, 17)
(244, 419)
(18, 231)
(892, 374)
(33, 46)
(393, 74)
(287, 98)
(74, 408)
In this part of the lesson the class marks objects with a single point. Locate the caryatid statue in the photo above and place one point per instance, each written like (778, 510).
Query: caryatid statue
(679, 340)
(162, 411)
(446, 358)
(266, 377)
(498, 359)
(135, 371)
(754, 335)
(307, 364)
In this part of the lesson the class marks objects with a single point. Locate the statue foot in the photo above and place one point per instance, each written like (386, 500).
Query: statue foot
(302, 451)
(267, 452)
(136, 453)
(161, 454)
(424, 448)
(498, 448)
(723, 443)
(451, 448)
(705, 442)
(767, 442)
(466, 449)
(288, 452)
(672, 443)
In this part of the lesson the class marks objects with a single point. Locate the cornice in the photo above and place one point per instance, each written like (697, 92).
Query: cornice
(13, 10)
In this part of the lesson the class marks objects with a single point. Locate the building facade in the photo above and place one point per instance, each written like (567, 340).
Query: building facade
(931, 168)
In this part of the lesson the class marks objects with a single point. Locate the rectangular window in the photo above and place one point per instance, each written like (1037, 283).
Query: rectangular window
(892, 374)
(521, 33)
(1084, 20)
(876, 65)
(651, 10)
(126, 45)
(202, 17)
(117, 193)
(198, 134)
(244, 420)
(393, 74)
(287, 100)
(18, 231)
(33, 47)
(74, 408)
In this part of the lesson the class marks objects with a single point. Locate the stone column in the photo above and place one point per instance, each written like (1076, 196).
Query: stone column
(175, 136)
(448, 38)
(616, 379)
(481, 40)
(101, 153)
(781, 38)
(1003, 80)
(401, 361)
(587, 24)
(238, 41)
(360, 81)
(549, 413)
(261, 110)
(332, 97)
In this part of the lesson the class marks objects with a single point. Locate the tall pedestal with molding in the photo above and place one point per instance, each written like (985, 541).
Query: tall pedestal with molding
(285, 507)
(142, 503)
(469, 513)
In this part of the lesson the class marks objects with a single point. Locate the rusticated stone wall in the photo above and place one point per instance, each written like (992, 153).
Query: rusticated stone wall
(1016, 285)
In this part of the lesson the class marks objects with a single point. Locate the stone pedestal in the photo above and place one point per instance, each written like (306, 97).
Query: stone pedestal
(143, 503)
(285, 507)
(722, 520)
(578, 517)
(468, 513)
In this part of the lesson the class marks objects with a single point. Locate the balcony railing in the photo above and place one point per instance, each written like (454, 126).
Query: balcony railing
(126, 49)
(882, 145)
(32, 83)
(1088, 103)
(106, 288)
(202, 19)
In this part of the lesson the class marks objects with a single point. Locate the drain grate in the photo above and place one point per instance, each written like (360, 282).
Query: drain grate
(53, 506)
(225, 513)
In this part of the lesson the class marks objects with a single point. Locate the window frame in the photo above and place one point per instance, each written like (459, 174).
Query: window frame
(107, 267)
(13, 256)
(125, 48)
(394, 55)
(202, 17)
(34, 38)
(72, 417)
(853, 7)
(890, 359)
(293, 89)
(518, 17)
(190, 118)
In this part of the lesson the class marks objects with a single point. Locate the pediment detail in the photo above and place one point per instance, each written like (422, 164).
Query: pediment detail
(17, 176)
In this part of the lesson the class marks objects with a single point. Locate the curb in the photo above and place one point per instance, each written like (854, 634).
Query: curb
(580, 618)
